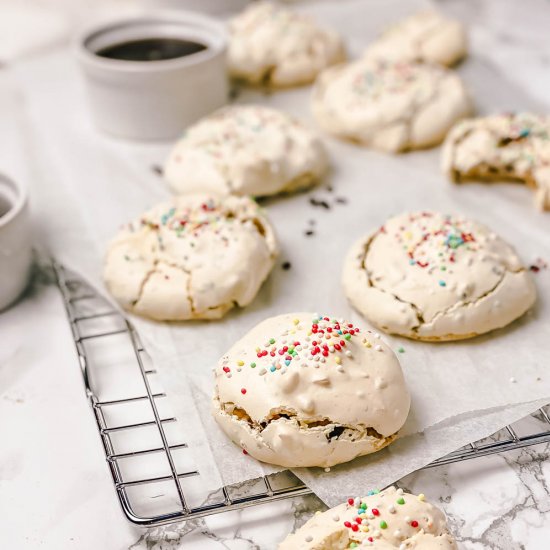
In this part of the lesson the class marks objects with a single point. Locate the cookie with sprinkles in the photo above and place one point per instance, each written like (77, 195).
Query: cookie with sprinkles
(246, 150)
(389, 105)
(502, 148)
(277, 47)
(382, 520)
(427, 36)
(430, 276)
(304, 389)
(194, 257)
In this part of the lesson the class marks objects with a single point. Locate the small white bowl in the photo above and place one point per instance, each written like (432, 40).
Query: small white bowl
(151, 100)
(15, 241)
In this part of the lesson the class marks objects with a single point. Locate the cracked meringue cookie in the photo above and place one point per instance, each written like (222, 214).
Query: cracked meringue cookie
(383, 520)
(428, 276)
(425, 36)
(391, 106)
(303, 390)
(502, 147)
(280, 48)
(246, 150)
(194, 257)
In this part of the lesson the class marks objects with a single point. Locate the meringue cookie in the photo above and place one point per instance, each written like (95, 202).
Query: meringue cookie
(388, 105)
(433, 277)
(194, 257)
(415, 524)
(277, 47)
(246, 150)
(425, 36)
(502, 147)
(289, 393)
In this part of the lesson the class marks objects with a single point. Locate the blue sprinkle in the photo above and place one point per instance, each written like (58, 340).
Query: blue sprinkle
(412, 262)
(442, 283)
(287, 362)
(273, 368)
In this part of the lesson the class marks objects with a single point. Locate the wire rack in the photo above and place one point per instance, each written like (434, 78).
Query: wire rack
(169, 489)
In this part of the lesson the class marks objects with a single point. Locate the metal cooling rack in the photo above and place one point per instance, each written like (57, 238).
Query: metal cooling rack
(95, 322)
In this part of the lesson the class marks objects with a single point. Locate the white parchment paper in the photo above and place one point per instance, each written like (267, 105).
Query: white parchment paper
(86, 185)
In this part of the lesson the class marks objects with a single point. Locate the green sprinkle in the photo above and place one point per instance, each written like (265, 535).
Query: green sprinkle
(401, 500)
(272, 340)
(347, 336)
(401, 349)
(253, 365)
(353, 545)
(383, 525)
(443, 268)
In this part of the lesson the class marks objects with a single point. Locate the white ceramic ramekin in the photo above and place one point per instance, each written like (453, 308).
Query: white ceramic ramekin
(15, 241)
(151, 100)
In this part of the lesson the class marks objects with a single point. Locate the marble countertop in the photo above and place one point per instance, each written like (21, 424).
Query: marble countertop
(55, 489)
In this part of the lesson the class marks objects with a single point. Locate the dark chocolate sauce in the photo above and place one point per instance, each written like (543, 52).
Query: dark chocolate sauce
(151, 49)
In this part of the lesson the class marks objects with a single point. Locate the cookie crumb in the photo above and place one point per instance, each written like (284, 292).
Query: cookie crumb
(309, 233)
(341, 200)
(319, 202)
(157, 170)
(286, 265)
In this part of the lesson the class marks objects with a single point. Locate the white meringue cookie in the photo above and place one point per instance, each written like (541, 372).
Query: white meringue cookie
(502, 147)
(425, 526)
(194, 257)
(433, 277)
(246, 150)
(425, 36)
(283, 407)
(280, 48)
(392, 106)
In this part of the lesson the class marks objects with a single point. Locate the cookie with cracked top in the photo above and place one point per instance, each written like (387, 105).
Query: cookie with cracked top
(389, 105)
(435, 277)
(504, 147)
(194, 257)
(425, 36)
(279, 48)
(246, 150)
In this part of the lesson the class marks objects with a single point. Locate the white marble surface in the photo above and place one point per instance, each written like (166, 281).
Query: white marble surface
(55, 489)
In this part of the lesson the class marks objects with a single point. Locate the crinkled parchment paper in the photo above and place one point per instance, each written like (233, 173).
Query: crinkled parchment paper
(85, 185)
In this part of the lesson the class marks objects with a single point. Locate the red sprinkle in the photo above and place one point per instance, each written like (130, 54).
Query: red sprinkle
(243, 390)
(226, 369)
(375, 511)
(350, 501)
(414, 523)
(347, 524)
(355, 527)
(245, 452)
